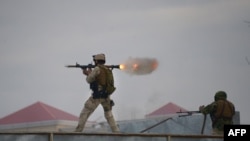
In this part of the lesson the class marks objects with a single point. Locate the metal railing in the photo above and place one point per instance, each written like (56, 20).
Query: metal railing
(72, 136)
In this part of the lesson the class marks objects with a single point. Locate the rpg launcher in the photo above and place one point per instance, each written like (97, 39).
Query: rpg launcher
(91, 66)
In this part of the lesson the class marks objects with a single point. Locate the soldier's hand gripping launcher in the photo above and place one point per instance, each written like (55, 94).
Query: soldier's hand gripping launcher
(91, 66)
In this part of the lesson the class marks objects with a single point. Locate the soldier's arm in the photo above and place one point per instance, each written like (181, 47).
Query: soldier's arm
(209, 108)
(91, 77)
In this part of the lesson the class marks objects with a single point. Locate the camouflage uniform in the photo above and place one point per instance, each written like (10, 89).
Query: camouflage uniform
(221, 112)
(92, 103)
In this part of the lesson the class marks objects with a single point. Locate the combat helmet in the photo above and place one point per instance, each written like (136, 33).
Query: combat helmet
(220, 95)
(99, 57)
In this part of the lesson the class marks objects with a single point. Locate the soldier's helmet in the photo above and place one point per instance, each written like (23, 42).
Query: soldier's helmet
(220, 95)
(99, 57)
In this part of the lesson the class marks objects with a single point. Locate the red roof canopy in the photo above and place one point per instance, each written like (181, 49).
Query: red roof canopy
(169, 108)
(37, 112)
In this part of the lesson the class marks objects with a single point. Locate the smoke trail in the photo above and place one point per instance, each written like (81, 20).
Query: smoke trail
(139, 66)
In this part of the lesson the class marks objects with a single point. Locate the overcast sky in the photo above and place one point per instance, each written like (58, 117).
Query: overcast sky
(202, 46)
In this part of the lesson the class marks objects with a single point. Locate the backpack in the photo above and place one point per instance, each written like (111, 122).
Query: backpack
(108, 84)
(225, 109)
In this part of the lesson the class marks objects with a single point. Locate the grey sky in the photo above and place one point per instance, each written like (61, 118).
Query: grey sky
(201, 47)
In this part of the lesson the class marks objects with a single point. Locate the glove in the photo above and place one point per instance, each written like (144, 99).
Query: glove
(87, 71)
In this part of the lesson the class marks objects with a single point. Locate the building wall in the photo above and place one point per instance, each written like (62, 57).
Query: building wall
(44, 126)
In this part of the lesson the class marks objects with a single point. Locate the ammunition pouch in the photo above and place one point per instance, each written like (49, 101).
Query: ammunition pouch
(97, 93)
(112, 103)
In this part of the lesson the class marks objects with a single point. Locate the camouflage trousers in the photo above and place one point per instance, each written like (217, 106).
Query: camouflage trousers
(90, 106)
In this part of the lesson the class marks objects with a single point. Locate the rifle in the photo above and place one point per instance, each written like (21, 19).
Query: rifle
(155, 125)
(189, 113)
(91, 66)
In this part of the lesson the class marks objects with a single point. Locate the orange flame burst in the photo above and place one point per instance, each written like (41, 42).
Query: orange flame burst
(135, 66)
(122, 66)
(155, 64)
(139, 66)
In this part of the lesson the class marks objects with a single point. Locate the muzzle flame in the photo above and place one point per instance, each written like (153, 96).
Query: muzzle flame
(122, 66)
